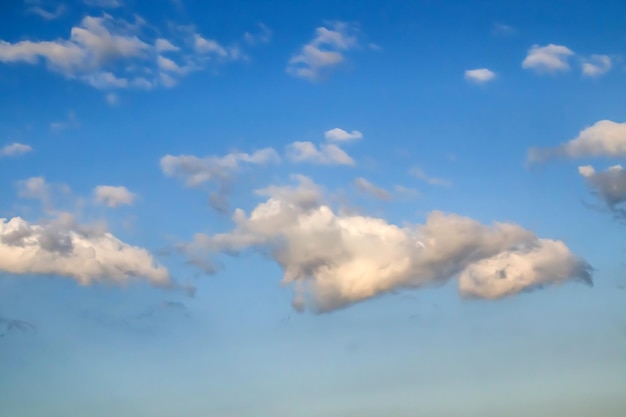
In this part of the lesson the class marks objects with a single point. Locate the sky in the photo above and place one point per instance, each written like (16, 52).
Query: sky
(314, 208)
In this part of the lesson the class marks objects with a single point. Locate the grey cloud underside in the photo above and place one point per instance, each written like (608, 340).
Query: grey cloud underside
(334, 260)
(608, 186)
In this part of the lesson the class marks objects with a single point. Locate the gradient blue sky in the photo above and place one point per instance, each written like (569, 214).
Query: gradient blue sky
(120, 147)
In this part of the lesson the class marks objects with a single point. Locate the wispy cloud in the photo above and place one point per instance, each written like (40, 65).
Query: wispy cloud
(15, 149)
(47, 14)
(419, 173)
(340, 135)
(370, 189)
(325, 154)
(596, 65)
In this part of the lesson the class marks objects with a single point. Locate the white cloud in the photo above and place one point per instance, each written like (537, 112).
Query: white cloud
(479, 76)
(603, 139)
(65, 248)
(111, 98)
(609, 186)
(500, 29)
(407, 192)
(46, 14)
(368, 188)
(208, 46)
(113, 196)
(66, 124)
(326, 154)
(340, 135)
(37, 188)
(596, 65)
(263, 36)
(334, 260)
(549, 58)
(15, 149)
(163, 45)
(324, 52)
(419, 173)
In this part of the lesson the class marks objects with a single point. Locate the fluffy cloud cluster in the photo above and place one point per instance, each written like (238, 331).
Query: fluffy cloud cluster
(64, 248)
(111, 53)
(334, 260)
(553, 58)
(603, 139)
(609, 186)
(325, 51)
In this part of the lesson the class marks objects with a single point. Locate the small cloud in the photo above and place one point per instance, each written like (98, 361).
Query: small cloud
(340, 135)
(112, 99)
(596, 65)
(547, 59)
(406, 192)
(419, 173)
(609, 186)
(104, 4)
(113, 196)
(264, 35)
(47, 15)
(326, 154)
(500, 29)
(69, 123)
(15, 149)
(370, 189)
(325, 51)
(480, 75)
(163, 45)
(375, 47)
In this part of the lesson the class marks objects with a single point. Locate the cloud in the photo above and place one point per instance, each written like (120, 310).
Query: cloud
(370, 189)
(419, 173)
(596, 65)
(163, 45)
(325, 51)
(335, 260)
(103, 4)
(603, 139)
(340, 135)
(208, 46)
(550, 58)
(263, 36)
(113, 196)
(45, 14)
(112, 99)
(500, 29)
(62, 247)
(406, 192)
(66, 124)
(479, 76)
(326, 154)
(195, 171)
(37, 188)
(609, 186)
(15, 149)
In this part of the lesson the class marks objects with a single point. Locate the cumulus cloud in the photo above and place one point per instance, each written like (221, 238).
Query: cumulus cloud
(62, 247)
(609, 186)
(324, 52)
(111, 53)
(370, 189)
(113, 196)
(419, 173)
(596, 65)
(550, 58)
(15, 149)
(603, 139)
(480, 75)
(340, 135)
(334, 260)
(326, 154)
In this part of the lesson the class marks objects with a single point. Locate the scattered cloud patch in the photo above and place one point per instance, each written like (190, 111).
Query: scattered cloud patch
(480, 75)
(603, 139)
(47, 14)
(500, 29)
(340, 135)
(66, 124)
(15, 149)
(550, 58)
(372, 190)
(609, 186)
(112, 99)
(113, 196)
(335, 260)
(419, 173)
(163, 45)
(596, 65)
(325, 154)
(263, 35)
(324, 52)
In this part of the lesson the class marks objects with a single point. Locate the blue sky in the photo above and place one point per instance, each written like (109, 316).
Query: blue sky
(312, 208)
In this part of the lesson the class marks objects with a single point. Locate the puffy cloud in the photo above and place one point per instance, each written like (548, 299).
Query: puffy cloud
(340, 135)
(609, 186)
(46, 14)
(549, 58)
(113, 196)
(596, 65)
(326, 154)
(334, 260)
(480, 75)
(195, 171)
(324, 52)
(64, 248)
(419, 173)
(368, 188)
(15, 149)
(603, 139)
